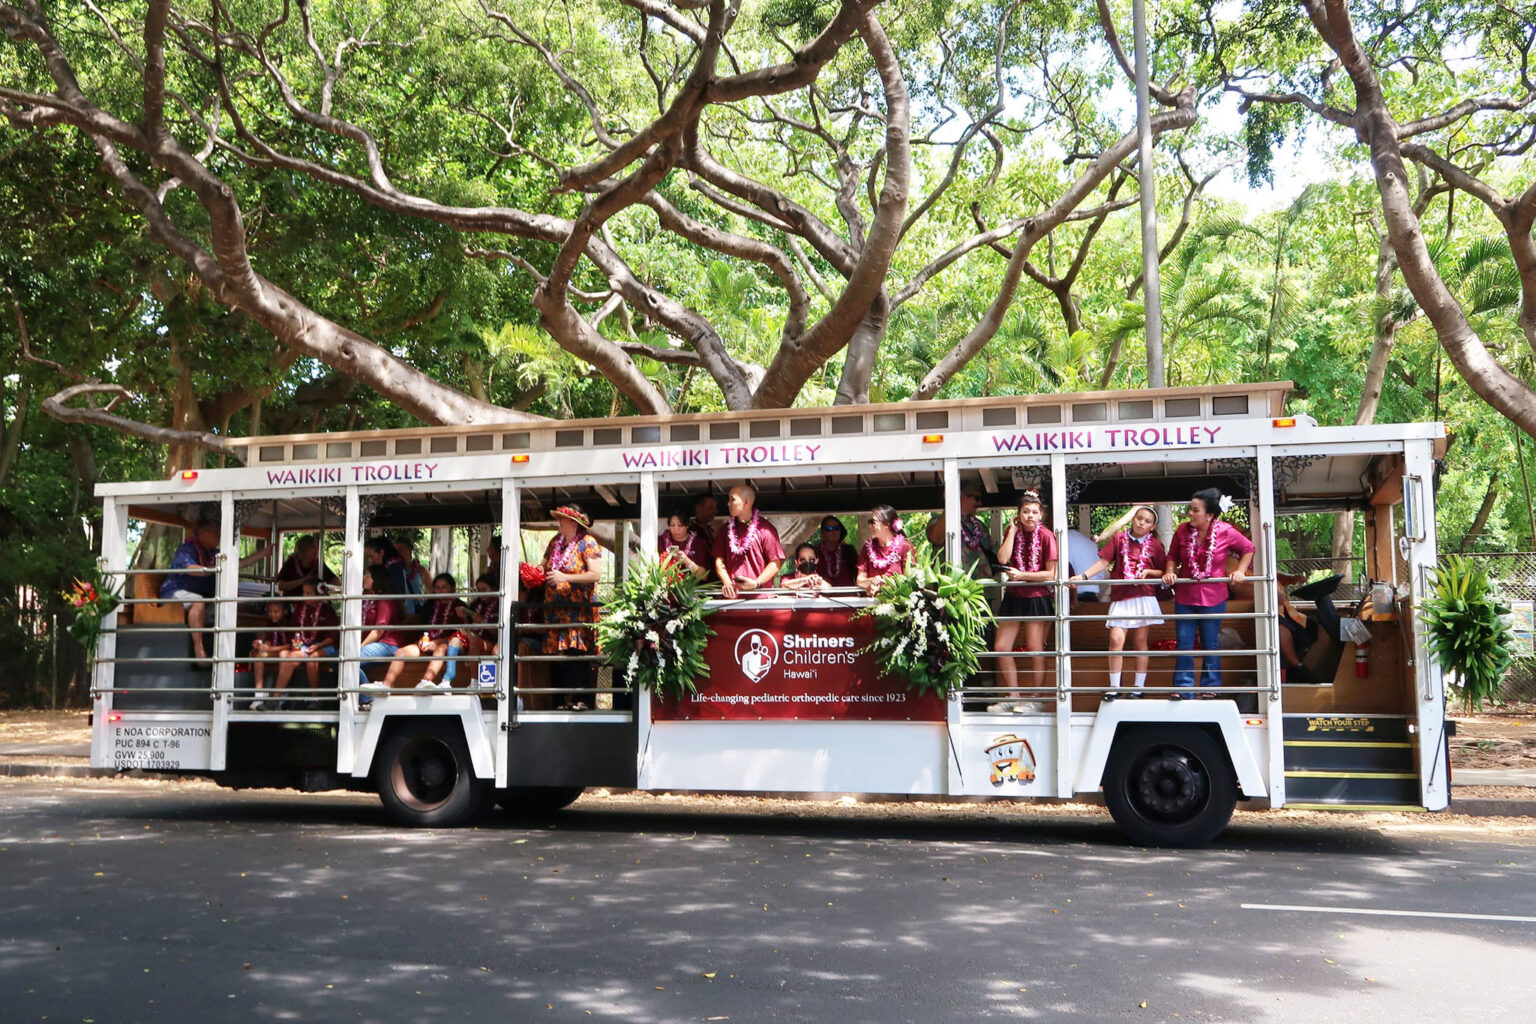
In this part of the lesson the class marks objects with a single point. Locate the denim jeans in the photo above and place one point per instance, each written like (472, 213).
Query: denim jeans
(1210, 633)
(378, 651)
(451, 667)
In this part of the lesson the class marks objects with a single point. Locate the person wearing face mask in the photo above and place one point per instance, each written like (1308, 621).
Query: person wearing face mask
(805, 579)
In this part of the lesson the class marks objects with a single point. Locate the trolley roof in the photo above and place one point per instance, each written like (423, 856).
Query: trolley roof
(1141, 445)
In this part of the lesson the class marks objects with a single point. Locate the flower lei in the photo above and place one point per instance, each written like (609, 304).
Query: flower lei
(1127, 572)
(740, 547)
(1031, 563)
(560, 549)
(370, 606)
(888, 562)
(831, 560)
(973, 534)
(305, 621)
(1196, 570)
(684, 546)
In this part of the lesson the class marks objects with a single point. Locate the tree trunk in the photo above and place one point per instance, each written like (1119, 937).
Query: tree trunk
(1375, 126)
(1480, 521)
(13, 432)
(859, 362)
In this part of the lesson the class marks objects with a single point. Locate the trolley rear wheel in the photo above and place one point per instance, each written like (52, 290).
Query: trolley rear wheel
(1169, 786)
(426, 779)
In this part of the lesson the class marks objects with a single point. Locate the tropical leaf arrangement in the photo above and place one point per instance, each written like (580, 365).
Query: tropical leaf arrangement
(1466, 625)
(653, 630)
(93, 599)
(930, 626)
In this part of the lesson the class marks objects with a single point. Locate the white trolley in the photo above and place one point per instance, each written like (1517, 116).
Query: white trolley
(1366, 730)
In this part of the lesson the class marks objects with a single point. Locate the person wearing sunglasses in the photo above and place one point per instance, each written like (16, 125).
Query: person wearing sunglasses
(837, 561)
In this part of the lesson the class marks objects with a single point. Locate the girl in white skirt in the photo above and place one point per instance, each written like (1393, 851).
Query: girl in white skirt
(1134, 553)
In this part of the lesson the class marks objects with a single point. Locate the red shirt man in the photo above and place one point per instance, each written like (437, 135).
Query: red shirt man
(747, 549)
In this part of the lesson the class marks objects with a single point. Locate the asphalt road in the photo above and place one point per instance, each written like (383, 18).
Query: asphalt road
(146, 902)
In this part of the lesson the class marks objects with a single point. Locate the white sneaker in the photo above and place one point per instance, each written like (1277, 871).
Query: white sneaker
(258, 705)
(1001, 707)
(426, 684)
(374, 687)
(1027, 707)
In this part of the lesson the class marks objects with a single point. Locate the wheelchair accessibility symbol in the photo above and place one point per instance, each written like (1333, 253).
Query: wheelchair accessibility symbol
(487, 673)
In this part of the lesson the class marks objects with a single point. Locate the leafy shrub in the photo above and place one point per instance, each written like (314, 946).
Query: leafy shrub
(653, 630)
(1466, 626)
(930, 626)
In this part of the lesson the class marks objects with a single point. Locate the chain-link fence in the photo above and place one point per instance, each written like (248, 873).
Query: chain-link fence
(1515, 574)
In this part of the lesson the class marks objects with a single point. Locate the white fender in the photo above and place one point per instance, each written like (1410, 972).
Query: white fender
(1221, 713)
(405, 704)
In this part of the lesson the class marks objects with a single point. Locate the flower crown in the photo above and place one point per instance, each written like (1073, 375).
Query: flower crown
(574, 514)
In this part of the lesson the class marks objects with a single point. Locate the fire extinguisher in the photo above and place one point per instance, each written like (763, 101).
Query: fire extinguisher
(1362, 660)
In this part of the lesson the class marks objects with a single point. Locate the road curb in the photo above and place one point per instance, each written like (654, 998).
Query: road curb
(1483, 808)
(73, 771)
(1471, 807)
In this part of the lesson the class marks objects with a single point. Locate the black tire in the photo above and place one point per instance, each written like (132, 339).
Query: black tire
(1169, 786)
(537, 801)
(425, 778)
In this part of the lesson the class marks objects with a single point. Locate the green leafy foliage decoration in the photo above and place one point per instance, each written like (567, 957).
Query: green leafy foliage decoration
(653, 630)
(1467, 628)
(930, 626)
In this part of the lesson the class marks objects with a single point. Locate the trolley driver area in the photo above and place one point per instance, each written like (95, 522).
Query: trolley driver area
(535, 529)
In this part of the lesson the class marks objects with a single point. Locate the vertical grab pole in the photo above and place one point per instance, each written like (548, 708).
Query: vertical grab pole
(114, 559)
(348, 722)
(1066, 772)
(506, 669)
(226, 589)
(1418, 499)
(649, 528)
(954, 554)
(1266, 628)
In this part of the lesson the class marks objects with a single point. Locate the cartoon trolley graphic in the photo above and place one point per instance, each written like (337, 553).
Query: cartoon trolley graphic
(1013, 760)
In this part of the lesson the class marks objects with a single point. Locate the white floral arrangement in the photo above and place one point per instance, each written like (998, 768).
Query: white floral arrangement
(653, 630)
(930, 626)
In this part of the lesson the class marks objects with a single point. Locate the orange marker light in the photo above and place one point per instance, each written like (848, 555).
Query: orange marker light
(1253, 721)
(189, 474)
(932, 438)
(519, 459)
(1285, 421)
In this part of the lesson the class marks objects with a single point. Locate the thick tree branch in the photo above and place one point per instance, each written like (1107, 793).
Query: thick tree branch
(1376, 127)
(55, 405)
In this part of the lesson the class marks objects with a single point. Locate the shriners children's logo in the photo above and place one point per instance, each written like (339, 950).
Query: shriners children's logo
(1012, 760)
(756, 653)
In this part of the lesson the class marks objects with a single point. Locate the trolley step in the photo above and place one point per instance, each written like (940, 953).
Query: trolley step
(1352, 788)
(1348, 756)
(1346, 727)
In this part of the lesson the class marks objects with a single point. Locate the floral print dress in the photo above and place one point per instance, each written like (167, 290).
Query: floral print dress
(570, 603)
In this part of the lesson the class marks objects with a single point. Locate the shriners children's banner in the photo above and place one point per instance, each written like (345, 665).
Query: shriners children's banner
(803, 664)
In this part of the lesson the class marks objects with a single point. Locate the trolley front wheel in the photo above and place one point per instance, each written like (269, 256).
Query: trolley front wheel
(1169, 786)
(426, 780)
